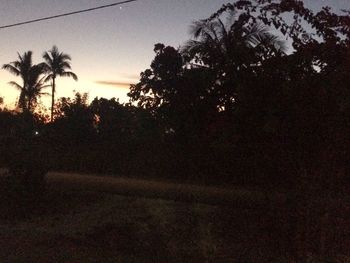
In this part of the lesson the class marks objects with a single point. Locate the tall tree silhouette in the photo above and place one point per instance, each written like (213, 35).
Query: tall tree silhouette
(57, 64)
(21, 68)
(32, 79)
(36, 83)
(159, 83)
(178, 97)
(229, 49)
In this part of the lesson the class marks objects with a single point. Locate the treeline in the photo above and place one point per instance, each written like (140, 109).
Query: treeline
(237, 103)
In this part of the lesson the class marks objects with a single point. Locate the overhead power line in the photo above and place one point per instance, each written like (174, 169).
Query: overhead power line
(67, 14)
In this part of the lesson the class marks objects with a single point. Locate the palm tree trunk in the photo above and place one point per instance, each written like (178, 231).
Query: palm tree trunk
(52, 97)
(21, 101)
(29, 104)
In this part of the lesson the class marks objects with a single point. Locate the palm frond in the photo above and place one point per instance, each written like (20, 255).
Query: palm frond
(26, 59)
(223, 31)
(259, 35)
(213, 31)
(48, 59)
(45, 94)
(65, 65)
(48, 77)
(16, 85)
(12, 69)
(64, 56)
(254, 34)
(231, 16)
(192, 47)
(69, 74)
(197, 28)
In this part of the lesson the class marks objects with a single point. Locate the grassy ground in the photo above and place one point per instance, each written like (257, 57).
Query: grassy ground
(94, 219)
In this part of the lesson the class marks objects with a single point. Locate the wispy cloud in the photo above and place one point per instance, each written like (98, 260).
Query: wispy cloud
(117, 84)
(130, 76)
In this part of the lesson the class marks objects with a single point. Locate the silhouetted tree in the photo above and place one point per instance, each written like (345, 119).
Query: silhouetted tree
(57, 64)
(285, 114)
(293, 112)
(158, 83)
(75, 122)
(232, 51)
(32, 80)
(176, 95)
(21, 68)
(35, 86)
(113, 119)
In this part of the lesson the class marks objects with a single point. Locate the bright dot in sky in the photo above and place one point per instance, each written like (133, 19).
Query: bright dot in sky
(120, 8)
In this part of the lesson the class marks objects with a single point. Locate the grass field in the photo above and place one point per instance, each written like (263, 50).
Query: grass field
(96, 219)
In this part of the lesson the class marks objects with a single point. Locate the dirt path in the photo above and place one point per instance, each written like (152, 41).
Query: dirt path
(157, 189)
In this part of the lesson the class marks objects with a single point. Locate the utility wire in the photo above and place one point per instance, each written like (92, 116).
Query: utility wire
(66, 14)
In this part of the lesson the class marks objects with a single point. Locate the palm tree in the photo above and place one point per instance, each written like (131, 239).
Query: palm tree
(229, 49)
(217, 42)
(57, 64)
(32, 80)
(36, 82)
(21, 67)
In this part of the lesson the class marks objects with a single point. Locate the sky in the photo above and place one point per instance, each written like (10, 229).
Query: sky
(109, 47)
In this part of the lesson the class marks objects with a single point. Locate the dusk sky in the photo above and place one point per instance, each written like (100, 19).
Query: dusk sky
(109, 47)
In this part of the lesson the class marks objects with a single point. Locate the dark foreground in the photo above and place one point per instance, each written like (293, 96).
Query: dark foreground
(94, 219)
